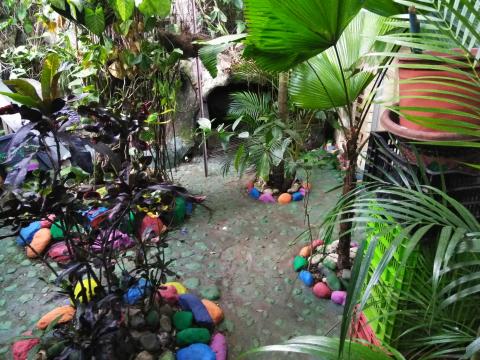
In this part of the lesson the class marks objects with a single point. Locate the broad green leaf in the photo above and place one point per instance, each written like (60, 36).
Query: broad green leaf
(385, 7)
(211, 49)
(50, 67)
(58, 3)
(95, 20)
(124, 8)
(22, 99)
(155, 7)
(23, 87)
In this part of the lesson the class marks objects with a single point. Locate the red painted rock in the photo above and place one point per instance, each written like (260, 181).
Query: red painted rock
(285, 198)
(40, 241)
(153, 224)
(250, 186)
(322, 291)
(21, 348)
(215, 312)
(66, 314)
(47, 223)
(59, 252)
(169, 294)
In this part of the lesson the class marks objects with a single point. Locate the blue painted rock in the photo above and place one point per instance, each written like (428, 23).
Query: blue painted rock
(219, 346)
(193, 336)
(196, 352)
(306, 277)
(339, 297)
(136, 292)
(188, 208)
(26, 233)
(298, 196)
(200, 313)
(254, 193)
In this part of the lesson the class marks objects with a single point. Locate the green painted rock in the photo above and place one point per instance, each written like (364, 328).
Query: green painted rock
(167, 355)
(193, 336)
(182, 320)
(153, 319)
(56, 231)
(299, 263)
(179, 210)
(210, 293)
(333, 282)
(329, 264)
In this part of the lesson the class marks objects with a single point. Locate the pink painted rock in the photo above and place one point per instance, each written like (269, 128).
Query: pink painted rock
(21, 348)
(169, 294)
(322, 291)
(47, 223)
(317, 243)
(302, 191)
(59, 252)
(339, 297)
(267, 198)
(219, 346)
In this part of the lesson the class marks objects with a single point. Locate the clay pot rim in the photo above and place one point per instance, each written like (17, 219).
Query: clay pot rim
(389, 121)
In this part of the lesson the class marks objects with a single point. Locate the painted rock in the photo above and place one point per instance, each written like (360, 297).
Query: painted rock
(254, 193)
(136, 292)
(285, 198)
(219, 346)
(57, 232)
(267, 198)
(189, 208)
(179, 210)
(333, 282)
(200, 313)
(322, 291)
(21, 348)
(169, 294)
(64, 313)
(39, 243)
(307, 186)
(299, 263)
(297, 196)
(193, 336)
(26, 234)
(47, 223)
(306, 277)
(317, 243)
(85, 290)
(59, 252)
(182, 320)
(306, 251)
(215, 312)
(179, 286)
(117, 239)
(196, 352)
(250, 186)
(329, 264)
(96, 216)
(339, 297)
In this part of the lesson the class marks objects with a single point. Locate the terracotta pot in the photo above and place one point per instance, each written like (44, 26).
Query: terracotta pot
(410, 93)
(436, 158)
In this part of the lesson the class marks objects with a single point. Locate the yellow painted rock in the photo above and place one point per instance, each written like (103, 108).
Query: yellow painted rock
(65, 313)
(215, 312)
(180, 288)
(40, 241)
(89, 290)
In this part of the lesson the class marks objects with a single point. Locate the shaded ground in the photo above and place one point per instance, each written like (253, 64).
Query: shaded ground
(243, 247)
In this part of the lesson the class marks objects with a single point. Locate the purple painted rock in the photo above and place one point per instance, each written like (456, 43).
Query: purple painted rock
(322, 291)
(169, 294)
(302, 191)
(339, 297)
(267, 198)
(219, 346)
(117, 239)
(200, 313)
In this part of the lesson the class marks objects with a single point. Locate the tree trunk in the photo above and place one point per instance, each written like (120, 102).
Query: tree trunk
(283, 96)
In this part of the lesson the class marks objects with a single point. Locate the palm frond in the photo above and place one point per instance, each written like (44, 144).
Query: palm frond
(249, 104)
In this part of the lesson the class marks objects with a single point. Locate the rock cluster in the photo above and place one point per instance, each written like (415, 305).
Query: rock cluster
(260, 191)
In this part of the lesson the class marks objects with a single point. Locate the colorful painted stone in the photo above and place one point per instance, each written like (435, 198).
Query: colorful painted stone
(317, 243)
(254, 193)
(215, 311)
(95, 215)
(179, 210)
(339, 297)
(219, 346)
(284, 199)
(56, 230)
(329, 264)
(189, 208)
(193, 336)
(333, 282)
(64, 313)
(307, 186)
(117, 239)
(200, 313)
(39, 243)
(267, 198)
(196, 352)
(302, 191)
(299, 263)
(181, 289)
(21, 348)
(250, 186)
(59, 252)
(26, 233)
(168, 293)
(306, 251)
(182, 320)
(306, 277)
(136, 292)
(151, 224)
(47, 223)
(85, 290)
(297, 196)
(322, 291)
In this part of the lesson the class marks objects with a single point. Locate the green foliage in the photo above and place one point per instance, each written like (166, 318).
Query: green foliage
(155, 7)
(123, 8)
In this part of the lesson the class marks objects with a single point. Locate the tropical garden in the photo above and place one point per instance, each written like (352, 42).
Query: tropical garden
(221, 179)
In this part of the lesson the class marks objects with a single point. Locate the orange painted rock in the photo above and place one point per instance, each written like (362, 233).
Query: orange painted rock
(306, 251)
(285, 198)
(215, 312)
(40, 241)
(151, 224)
(66, 312)
(21, 348)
